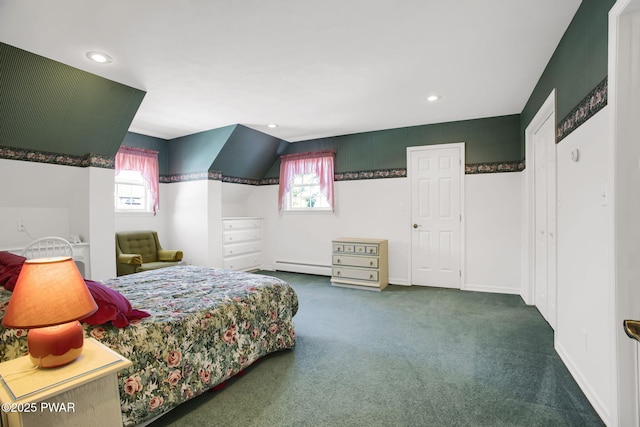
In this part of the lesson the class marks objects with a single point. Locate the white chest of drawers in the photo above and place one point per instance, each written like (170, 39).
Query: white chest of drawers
(241, 243)
(360, 263)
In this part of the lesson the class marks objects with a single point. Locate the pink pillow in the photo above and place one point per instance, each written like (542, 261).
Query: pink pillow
(112, 307)
(10, 266)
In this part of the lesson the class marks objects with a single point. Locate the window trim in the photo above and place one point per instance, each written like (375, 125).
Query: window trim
(289, 196)
(320, 163)
(148, 199)
(146, 162)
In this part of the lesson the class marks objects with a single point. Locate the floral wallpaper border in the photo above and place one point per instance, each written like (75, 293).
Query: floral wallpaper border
(93, 160)
(237, 180)
(192, 176)
(108, 163)
(494, 167)
(470, 169)
(371, 174)
(595, 101)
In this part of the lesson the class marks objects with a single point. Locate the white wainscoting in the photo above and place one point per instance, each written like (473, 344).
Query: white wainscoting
(301, 242)
(493, 221)
(379, 208)
(584, 332)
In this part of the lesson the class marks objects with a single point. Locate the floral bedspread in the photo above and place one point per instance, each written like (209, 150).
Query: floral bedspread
(206, 325)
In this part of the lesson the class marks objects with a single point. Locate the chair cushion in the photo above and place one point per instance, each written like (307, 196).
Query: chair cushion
(140, 242)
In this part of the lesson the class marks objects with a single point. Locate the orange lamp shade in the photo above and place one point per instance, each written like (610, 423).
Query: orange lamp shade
(50, 293)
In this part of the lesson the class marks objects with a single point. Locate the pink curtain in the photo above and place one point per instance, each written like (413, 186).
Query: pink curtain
(145, 161)
(318, 162)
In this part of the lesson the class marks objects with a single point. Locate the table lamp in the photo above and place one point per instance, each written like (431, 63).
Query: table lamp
(49, 297)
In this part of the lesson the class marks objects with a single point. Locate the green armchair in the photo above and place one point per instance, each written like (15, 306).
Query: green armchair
(138, 251)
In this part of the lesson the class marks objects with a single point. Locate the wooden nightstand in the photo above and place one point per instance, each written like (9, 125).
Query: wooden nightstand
(83, 393)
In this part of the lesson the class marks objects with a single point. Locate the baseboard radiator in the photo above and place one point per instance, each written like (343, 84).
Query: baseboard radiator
(305, 268)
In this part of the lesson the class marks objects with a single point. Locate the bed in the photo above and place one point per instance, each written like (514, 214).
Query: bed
(205, 326)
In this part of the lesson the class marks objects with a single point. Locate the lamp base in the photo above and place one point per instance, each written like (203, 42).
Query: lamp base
(55, 346)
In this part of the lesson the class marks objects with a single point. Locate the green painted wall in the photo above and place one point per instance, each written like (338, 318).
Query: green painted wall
(49, 106)
(197, 152)
(578, 64)
(493, 139)
(248, 154)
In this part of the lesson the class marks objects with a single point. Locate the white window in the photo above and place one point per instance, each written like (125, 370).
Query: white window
(305, 194)
(136, 180)
(131, 193)
(306, 181)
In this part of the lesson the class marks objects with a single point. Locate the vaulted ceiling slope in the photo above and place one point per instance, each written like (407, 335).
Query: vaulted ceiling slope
(235, 151)
(317, 69)
(52, 107)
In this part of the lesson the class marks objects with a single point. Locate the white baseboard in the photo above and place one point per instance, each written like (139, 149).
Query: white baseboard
(491, 289)
(597, 404)
(294, 267)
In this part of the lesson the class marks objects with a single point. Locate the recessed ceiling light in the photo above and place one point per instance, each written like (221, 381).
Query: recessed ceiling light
(272, 125)
(433, 98)
(99, 57)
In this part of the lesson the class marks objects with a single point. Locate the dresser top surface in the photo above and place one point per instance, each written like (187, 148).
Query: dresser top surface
(240, 218)
(358, 240)
(21, 380)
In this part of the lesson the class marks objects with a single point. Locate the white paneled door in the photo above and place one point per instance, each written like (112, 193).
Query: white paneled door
(544, 145)
(540, 215)
(624, 152)
(436, 178)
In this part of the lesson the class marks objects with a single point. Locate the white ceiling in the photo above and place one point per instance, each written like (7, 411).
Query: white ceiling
(316, 68)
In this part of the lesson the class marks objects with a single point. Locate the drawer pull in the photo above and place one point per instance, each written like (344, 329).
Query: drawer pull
(371, 263)
(371, 251)
(338, 261)
(371, 276)
(337, 273)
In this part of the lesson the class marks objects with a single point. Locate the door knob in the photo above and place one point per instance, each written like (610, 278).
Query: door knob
(632, 329)
(415, 226)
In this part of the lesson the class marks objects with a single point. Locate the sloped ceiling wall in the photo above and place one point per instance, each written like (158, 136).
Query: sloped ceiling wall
(235, 151)
(49, 106)
(248, 154)
(196, 152)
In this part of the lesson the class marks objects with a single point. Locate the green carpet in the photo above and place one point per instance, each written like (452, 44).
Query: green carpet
(407, 356)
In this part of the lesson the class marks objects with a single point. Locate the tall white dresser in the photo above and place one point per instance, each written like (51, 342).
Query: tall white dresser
(360, 263)
(241, 243)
